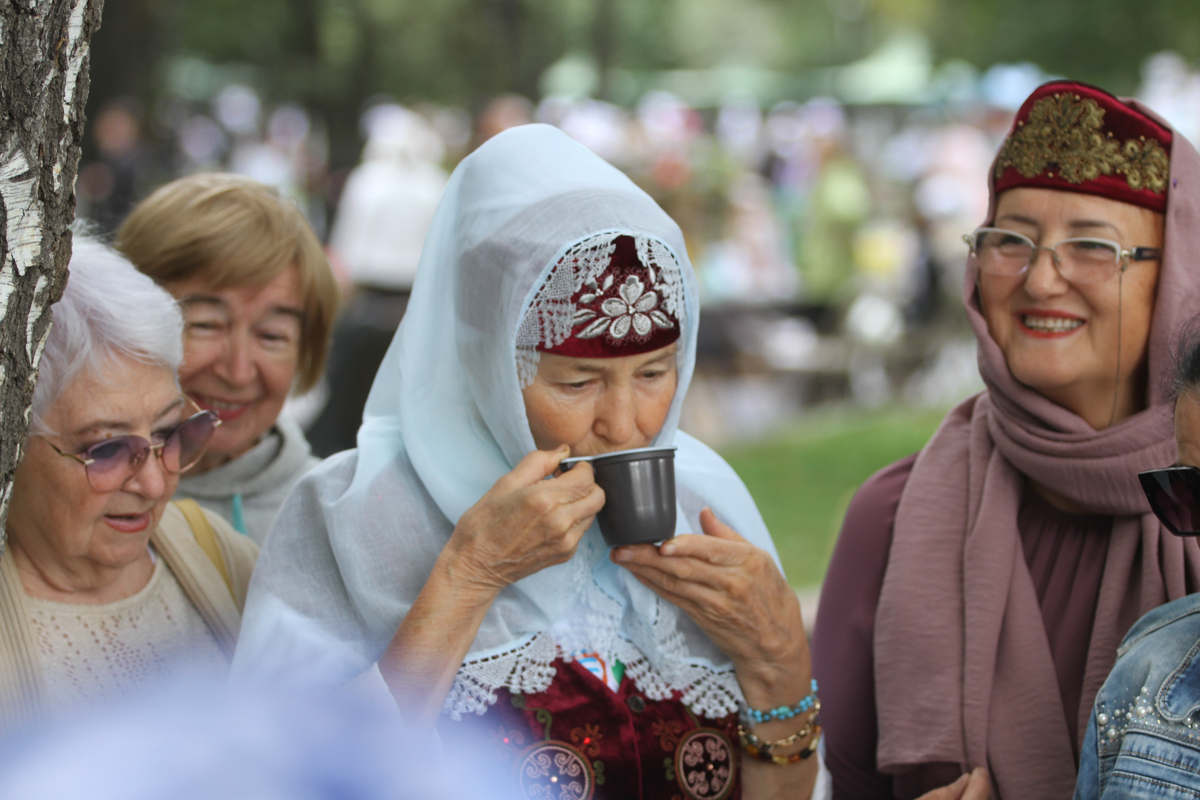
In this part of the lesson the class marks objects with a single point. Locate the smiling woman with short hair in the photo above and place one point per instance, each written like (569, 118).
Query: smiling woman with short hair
(259, 300)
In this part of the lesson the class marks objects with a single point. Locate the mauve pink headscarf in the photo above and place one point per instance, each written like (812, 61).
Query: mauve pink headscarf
(964, 672)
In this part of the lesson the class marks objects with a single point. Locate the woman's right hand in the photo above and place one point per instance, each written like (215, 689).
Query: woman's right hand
(523, 524)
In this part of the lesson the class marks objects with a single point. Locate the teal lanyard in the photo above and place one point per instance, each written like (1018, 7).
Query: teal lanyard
(239, 516)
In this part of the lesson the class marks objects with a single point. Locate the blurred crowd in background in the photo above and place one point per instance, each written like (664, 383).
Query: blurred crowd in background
(826, 230)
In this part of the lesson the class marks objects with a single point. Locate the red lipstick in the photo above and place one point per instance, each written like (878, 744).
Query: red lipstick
(1041, 323)
(225, 413)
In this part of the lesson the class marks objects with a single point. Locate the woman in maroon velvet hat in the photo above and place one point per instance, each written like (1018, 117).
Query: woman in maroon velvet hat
(979, 589)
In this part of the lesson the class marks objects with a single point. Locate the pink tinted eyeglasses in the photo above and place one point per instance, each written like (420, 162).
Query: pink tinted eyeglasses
(111, 462)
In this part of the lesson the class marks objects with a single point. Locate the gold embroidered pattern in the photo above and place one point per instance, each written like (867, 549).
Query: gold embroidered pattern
(1065, 133)
(1147, 165)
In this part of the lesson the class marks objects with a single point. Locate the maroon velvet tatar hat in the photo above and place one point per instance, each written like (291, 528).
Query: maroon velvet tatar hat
(1077, 138)
(620, 312)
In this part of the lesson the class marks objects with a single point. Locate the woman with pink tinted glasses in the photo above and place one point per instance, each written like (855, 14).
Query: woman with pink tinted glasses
(104, 583)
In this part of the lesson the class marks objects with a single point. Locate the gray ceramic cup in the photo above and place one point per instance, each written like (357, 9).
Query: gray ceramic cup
(639, 494)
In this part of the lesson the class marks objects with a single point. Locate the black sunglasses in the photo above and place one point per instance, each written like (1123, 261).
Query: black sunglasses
(1174, 495)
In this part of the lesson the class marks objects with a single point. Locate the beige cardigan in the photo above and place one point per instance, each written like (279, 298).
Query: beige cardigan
(21, 681)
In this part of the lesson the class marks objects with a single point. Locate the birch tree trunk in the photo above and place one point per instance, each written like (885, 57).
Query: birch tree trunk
(43, 88)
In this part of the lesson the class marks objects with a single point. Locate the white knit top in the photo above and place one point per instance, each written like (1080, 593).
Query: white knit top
(95, 652)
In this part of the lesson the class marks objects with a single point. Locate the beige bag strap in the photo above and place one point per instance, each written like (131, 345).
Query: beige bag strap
(205, 537)
(22, 685)
(178, 541)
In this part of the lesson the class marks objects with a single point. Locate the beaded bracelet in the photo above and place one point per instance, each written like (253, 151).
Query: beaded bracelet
(813, 723)
(783, 712)
(782, 761)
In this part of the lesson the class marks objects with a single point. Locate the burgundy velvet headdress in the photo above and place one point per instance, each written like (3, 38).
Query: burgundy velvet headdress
(621, 312)
(1074, 137)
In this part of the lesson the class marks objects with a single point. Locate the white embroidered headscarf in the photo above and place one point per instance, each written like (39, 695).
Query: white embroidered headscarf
(355, 541)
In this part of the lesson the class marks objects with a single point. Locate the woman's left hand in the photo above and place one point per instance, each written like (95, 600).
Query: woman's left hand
(739, 598)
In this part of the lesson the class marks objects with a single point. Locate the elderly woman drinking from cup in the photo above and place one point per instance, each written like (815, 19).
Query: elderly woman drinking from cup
(979, 590)
(103, 583)
(554, 314)
(258, 301)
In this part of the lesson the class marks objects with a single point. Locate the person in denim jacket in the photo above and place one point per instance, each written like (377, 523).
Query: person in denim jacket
(1143, 739)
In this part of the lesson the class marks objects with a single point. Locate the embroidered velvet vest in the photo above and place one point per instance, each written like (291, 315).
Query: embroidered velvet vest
(579, 739)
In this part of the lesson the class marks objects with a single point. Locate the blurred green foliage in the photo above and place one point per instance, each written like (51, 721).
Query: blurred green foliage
(453, 50)
(332, 55)
(803, 478)
(1100, 41)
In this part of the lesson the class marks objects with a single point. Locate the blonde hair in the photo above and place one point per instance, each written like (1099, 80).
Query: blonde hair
(229, 231)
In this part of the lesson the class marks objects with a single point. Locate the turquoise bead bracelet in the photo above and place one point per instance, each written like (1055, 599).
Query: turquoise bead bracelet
(784, 712)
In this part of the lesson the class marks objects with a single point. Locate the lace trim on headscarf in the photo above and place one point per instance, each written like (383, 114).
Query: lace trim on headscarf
(551, 316)
(525, 668)
(654, 656)
(662, 266)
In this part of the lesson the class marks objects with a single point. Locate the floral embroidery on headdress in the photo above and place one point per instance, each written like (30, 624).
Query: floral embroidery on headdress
(1147, 165)
(1075, 137)
(612, 294)
(634, 307)
(1066, 132)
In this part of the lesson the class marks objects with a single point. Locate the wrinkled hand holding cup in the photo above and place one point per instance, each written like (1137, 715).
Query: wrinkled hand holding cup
(639, 492)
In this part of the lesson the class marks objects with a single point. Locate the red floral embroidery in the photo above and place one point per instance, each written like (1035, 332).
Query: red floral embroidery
(587, 739)
(668, 732)
(508, 743)
(513, 738)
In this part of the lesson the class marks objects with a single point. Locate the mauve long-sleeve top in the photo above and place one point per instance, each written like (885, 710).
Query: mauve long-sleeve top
(1065, 554)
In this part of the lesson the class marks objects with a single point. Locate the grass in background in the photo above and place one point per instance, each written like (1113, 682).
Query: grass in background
(804, 476)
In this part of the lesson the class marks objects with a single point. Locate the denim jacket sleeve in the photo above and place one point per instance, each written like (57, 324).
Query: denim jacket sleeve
(1143, 738)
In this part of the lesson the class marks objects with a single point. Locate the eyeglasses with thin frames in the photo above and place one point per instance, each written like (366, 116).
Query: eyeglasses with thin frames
(1080, 260)
(108, 464)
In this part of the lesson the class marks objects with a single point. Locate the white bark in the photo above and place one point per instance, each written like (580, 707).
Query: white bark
(43, 87)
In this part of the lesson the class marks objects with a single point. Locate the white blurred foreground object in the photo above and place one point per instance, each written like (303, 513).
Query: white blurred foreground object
(206, 742)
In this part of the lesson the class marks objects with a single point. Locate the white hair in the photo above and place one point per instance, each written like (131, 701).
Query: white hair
(108, 310)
